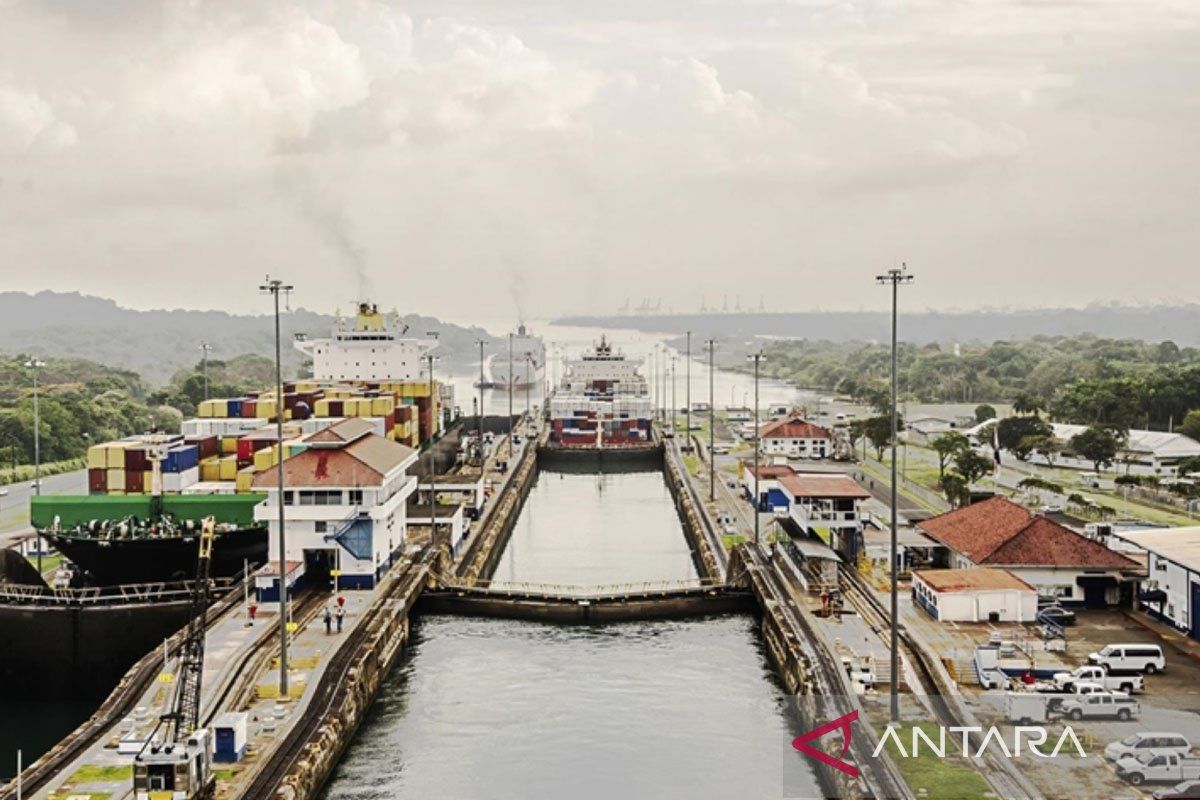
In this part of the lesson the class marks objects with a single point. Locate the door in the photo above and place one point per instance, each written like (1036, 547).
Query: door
(1194, 611)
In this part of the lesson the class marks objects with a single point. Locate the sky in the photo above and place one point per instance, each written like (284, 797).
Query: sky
(483, 158)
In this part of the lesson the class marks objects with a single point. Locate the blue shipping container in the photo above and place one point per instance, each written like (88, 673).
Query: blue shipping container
(234, 408)
(181, 459)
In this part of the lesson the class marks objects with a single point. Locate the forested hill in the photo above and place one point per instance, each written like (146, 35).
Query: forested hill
(1180, 324)
(156, 344)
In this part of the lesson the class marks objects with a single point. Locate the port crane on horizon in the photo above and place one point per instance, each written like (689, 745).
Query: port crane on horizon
(176, 760)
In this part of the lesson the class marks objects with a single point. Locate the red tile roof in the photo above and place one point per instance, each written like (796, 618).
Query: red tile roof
(793, 428)
(809, 484)
(997, 531)
(767, 471)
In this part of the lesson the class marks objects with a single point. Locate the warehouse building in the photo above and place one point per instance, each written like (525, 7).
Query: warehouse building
(1171, 590)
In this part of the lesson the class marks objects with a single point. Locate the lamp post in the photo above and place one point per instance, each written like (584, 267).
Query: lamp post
(510, 381)
(205, 348)
(275, 287)
(673, 406)
(712, 426)
(528, 384)
(687, 396)
(479, 419)
(34, 364)
(895, 277)
(430, 358)
(757, 358)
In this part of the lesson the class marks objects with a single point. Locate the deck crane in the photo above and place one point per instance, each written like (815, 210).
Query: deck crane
(176, 761)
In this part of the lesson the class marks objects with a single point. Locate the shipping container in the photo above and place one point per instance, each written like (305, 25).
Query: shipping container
(148, 482)
(181, 458)
(116, 479)
(210, 469)
(249, 408)
(116, 455)
(233, 408)
(97, 456)
(134, 481)
(266, 458)
(97, 480)
(136, 458)
(245, 480)
(228, 468)
(208, 446)
(178, 481)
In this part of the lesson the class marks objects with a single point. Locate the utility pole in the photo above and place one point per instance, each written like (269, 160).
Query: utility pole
(687, 396)
(528, 383)
(895, 277)
(712, 424)
(510, 380)
(35, 364)
(479, 419)
(275, 287)
(205, 347)
(757, 358)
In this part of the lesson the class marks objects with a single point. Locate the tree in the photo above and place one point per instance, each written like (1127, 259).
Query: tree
(1028, 403)
(1011, 430)
(946, 446)
(879, 431)
(1097, 444)
(1048, 447)
(972, 466)
(956, 489)
(984, 412)
(1190, 426)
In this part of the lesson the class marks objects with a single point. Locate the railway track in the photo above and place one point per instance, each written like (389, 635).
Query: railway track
(329, 692)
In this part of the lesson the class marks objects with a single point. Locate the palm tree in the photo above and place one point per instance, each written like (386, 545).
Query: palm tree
(1028, 403)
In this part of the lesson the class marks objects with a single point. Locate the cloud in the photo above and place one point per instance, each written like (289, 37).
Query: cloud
(27, 121)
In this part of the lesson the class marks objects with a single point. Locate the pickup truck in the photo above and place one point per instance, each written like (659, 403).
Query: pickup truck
(1066, 681)
(1106, 704)
(1159, 768)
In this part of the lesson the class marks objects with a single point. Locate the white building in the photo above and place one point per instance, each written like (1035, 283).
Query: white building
(792, 437)
(1054, 559)
(1171, 590)
(373, 349)
(1145, 452)
(826, 505)
(345, 498)
(978, 594)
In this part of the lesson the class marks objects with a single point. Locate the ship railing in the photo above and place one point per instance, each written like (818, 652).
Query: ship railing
(564, 591)
(122, 594)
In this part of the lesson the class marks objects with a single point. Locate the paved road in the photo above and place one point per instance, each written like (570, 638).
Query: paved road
(14, 507)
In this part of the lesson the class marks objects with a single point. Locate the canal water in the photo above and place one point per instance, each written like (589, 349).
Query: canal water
(481, 708)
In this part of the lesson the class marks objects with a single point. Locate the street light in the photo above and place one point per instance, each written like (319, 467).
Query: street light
(757, 358)
(205, 348)
(673, 406)
(895, 277)
(34, 364)
(712, 423)
(510, 381)
(275, 287)
(479, 419)
(687, 396)
(431, 359)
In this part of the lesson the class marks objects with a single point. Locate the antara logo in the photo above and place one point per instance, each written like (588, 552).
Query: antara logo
(1025, 738)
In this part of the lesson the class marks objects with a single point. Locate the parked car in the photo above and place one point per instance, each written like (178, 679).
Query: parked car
(1053, 508)
(1159, 768)
(1101, 705)
(1117, 658)
(1184, 790)
(1097, 675)
(1145, 742)
(1056, 615)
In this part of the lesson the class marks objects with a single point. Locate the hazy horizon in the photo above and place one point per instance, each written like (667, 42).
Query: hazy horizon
(538, 158)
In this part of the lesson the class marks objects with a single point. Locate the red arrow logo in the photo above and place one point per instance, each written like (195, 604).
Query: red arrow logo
(842, 723)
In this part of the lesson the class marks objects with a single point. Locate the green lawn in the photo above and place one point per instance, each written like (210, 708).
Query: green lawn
(94, 773)
(948, 778)
(732, 540)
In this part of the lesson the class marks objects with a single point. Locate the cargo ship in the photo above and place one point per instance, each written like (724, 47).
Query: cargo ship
(603, 401)
(128, 539)
(524, 368)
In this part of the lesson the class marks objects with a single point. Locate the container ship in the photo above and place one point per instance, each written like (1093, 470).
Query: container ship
(603, 401)
(524, 369)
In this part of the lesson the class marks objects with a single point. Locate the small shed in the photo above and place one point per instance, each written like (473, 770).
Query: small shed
(974, 594)
(266, 580)
(229, 731)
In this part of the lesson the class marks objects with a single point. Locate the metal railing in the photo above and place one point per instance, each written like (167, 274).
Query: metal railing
(25, 594)
(562, 591)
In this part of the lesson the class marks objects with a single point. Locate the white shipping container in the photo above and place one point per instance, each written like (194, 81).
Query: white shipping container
(178, 481)
(211, 487)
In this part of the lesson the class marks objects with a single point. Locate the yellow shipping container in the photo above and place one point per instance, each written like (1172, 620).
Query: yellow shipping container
(245, 480)
(229, 446)
(227, 470)
(116, 478)
(148, 482)
(266, 408)
(97, 456)
(321, 408)
(116, 455)
(382, 406)
(266, 458)
(210, 469)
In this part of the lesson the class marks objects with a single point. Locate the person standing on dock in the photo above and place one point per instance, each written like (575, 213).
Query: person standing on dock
(341, 614)
(328, 620)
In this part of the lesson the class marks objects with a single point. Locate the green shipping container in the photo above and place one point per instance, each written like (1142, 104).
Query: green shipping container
(237, 509)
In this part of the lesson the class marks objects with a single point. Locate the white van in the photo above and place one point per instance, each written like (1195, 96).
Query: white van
(1147, 658)
(1138, 743)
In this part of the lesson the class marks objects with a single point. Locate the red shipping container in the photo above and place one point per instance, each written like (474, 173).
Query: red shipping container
(249, 408)
(208, 446)
(98, 480)
(247, 446)
(136, 459)
(335, 408)
(389, 422)
(134, 481)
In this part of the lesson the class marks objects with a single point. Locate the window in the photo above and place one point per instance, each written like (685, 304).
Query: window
(289, 498)
(321, 497)
(320, 526)
(356, 497)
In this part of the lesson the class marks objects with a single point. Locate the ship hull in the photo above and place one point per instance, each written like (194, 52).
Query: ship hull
(117, 561)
